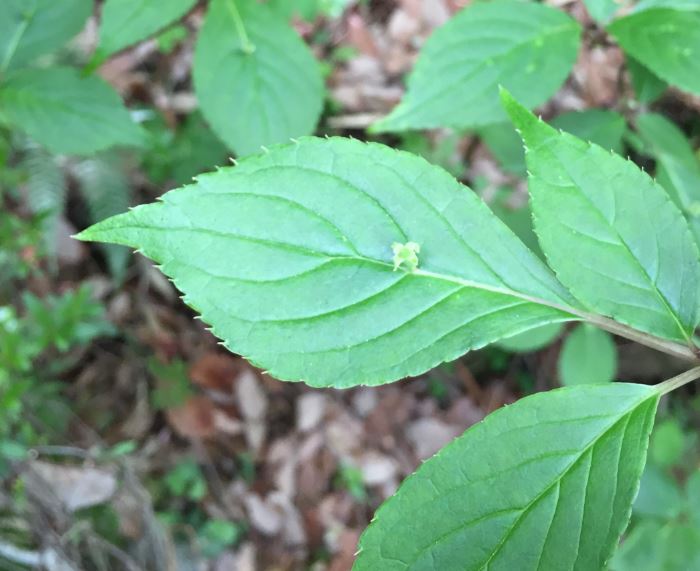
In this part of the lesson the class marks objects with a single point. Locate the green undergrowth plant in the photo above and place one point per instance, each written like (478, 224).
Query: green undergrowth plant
(64, 123)
(247, 57)
(665, 528)
(185, 483)
(530, 48)
(341, 263)
(34, 352)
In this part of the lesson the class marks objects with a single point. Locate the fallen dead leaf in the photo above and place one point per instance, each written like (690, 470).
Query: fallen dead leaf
(428, 435)
(76, 487)
(311, 407)
(377, 469)
(215, 371)
(347, 546)
(264, 516)
(194, 419)
(253, 403)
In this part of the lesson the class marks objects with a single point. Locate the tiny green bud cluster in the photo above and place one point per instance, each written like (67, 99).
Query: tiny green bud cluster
(405, 255)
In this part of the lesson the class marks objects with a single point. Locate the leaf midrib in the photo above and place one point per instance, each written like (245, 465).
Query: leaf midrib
(387, 265)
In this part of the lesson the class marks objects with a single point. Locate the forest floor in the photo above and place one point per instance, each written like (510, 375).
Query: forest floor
(296, 472)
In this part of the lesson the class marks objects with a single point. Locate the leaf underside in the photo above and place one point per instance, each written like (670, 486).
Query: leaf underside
(546, 483)
(289, 257)
(527, 47)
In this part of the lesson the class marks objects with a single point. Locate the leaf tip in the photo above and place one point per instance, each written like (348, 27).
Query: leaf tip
(83, 236)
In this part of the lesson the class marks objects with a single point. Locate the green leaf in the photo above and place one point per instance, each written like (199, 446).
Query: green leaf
(599, 126)
(178, 156)
(546, 483)
(216, 535)
(678, 168)
(126, 22)
(66, 112)
(289, 256)
(667, 40)
(505, 145)
(532, 340)
(588, 356)
(659, 546)
(309, 10)
(173, 386)
(692, 494)
(528, 47)
(646, 84)
(30, 28)
(519, 220)
(667, 443)
(256, 81)
(611, 233)
(602, 10)
(659, 496)
(676, 4)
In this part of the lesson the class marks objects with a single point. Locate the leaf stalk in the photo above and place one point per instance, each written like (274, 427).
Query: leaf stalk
(678, 381)
(246, 45)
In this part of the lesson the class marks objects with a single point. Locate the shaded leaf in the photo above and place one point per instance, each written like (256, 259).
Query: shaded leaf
(659, 496)
(527, 47)
(126, 22)
(505, 145)
(256, 81)
(678, 168)
(266, 252)
(692, 493)
(532, 340)
(647, 86)
(599, 126)
(667, 40)
(667, 443)
(30, 28)
(555, 493)
(66, 112)
(658, 545)
(588, 356)
(602, 10)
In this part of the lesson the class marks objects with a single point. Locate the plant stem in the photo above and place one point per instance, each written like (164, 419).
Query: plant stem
(15, 39)
(669, 347)
(246, 44)
(678, 381)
